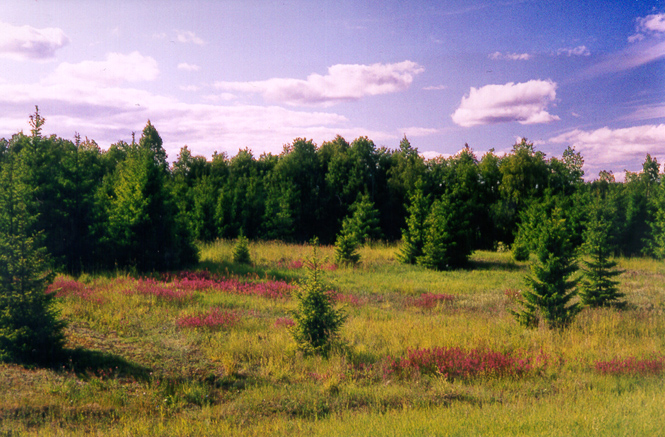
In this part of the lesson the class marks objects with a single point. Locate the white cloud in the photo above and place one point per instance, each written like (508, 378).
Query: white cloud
(190, 88)
(616, 146)
(430, 154)
(631, 57)
(109, 114)
(342, 83)
(498, 56)
(186, 36)
(653, 24)
(574, 51)
(435, 88)
(418, 131)
(26, 42)
(117, 68)
(188, 67)
(525, 103)
(223, 97)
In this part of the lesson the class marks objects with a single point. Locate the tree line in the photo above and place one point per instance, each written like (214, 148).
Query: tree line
(128, 207)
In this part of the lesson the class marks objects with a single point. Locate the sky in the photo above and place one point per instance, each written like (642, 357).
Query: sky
(219, 76)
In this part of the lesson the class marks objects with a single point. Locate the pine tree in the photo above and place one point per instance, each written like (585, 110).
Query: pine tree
(448, 237)
(597, 288)
(551, 285)
(365, 219)
(413, 237)
(30, 330)
(241, 250)
(317, 322)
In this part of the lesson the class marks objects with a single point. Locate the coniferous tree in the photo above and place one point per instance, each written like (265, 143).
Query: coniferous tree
(413, 237)
(317, 321)
(657, 224)
(241, 250)
(448, 240)
(552, 287)
(597, 288)
(30, 330)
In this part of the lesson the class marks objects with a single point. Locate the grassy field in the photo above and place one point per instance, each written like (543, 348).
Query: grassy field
(210, 354)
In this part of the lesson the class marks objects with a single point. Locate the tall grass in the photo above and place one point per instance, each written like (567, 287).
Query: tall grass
(207, 352)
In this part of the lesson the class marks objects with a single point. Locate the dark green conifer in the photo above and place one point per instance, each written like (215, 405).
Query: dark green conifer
(241, 250)
(597, 288)
(30, 331)
(552, 287)
(413, 237)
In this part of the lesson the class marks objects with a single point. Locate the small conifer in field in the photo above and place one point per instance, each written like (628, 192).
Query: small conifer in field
(317, 321)
(241, 251)
(413, 237)
(346, 248)
(597, 288)
(448, 236)
(551, 285)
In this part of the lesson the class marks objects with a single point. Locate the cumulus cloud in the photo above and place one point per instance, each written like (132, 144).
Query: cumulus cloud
(525, 103)
(574, 51)
(498, 56)
(29, 43)
(653, 24)
(117, 68)
(188, 67)
(343, 83)
(186, 36)
(616, 147)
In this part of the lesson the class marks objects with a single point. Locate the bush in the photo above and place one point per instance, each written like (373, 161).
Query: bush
(316, 321)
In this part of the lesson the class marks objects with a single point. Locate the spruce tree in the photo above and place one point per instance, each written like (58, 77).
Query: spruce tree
(597, 288)
(413, 237)
(317, 321)
(551, 283)
(30, 331)
(241, 250)
(448, 239)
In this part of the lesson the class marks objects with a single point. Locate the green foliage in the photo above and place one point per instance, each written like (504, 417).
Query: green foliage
(317, 321)
(550, 281)
(597, 289)
(30, 331)
(142, 226)
(657, 225)
(448, 240)
(346, 248)
(364, 220)
(241, 250)
(413, 237)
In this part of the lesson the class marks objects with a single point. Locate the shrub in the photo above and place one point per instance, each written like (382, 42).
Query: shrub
(317, 322)
(213, 319)
(631, 366)
(459, 363)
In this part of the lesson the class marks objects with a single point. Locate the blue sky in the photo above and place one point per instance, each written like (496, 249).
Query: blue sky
(224, 75)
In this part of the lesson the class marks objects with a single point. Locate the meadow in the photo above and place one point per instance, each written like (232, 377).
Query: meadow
(422, 353)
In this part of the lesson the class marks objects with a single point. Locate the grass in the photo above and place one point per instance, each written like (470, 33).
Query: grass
(426, 353)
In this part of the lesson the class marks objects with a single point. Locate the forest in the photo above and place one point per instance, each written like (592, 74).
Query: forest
(127, 207)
